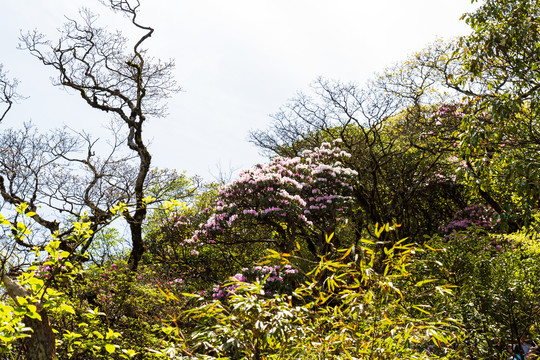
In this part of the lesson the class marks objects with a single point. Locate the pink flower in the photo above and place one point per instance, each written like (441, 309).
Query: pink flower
(239, 277)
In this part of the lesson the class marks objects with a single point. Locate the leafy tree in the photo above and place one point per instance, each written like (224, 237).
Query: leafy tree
(495, 70)
(403, 155)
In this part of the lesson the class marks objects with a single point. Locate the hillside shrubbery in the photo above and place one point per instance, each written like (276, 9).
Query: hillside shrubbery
(395, 221)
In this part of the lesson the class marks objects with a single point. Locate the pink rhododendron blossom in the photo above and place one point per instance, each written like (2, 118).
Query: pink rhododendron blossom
(275, 279)
(300, 191)
(239, 277)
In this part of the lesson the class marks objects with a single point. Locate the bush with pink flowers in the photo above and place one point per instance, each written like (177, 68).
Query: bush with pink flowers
(478, 216)
(276, 279)
(304, 197)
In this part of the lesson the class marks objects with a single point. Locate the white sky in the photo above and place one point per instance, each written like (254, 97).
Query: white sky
(237, 61)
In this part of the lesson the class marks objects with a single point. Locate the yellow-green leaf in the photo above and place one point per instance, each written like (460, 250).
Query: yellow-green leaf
(110, 348)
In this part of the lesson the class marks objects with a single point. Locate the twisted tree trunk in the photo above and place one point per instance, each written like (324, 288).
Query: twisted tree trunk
(41, 344)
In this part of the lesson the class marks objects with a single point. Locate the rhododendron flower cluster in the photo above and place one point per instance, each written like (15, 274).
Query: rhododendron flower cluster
(476, 217)
(43, 271)
(448, 111)
(308, 191)
(276, 279)
(46, 269)
(479, 216)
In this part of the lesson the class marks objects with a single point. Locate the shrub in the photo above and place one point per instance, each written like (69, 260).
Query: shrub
(345, 310)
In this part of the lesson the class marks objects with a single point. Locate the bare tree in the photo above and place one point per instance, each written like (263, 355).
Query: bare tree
(128, 84)
(60, 175)
(8, 93)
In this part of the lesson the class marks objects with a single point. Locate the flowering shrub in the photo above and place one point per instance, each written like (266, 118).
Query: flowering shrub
(292, 196)
(277, 279)
(478, 216)
(172, 238)
(448, 111)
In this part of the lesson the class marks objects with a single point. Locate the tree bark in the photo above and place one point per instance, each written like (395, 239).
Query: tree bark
(138, 245)
(41, 344)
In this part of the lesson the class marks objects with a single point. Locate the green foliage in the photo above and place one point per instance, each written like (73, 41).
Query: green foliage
(130, 304)
(92, 340)
(12, 328)
(497, 288)
(417, 158)
(346, 310)
(496, 68)
(46, 286)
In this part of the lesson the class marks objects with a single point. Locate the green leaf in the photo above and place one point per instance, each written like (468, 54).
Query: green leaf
(67, 308)
(19, 311)
(129, 352)
(420, 283)
(33, 314)
(3, 221)
(110, 348)
(111, 334)
(21, 301)
(21, 228)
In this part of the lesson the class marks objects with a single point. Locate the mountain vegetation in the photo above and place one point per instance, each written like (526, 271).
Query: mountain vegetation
(395, 220)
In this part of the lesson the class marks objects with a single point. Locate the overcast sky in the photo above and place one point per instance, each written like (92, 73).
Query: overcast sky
(237, 61)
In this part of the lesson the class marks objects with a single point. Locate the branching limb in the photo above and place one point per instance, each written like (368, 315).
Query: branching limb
(8, 93)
